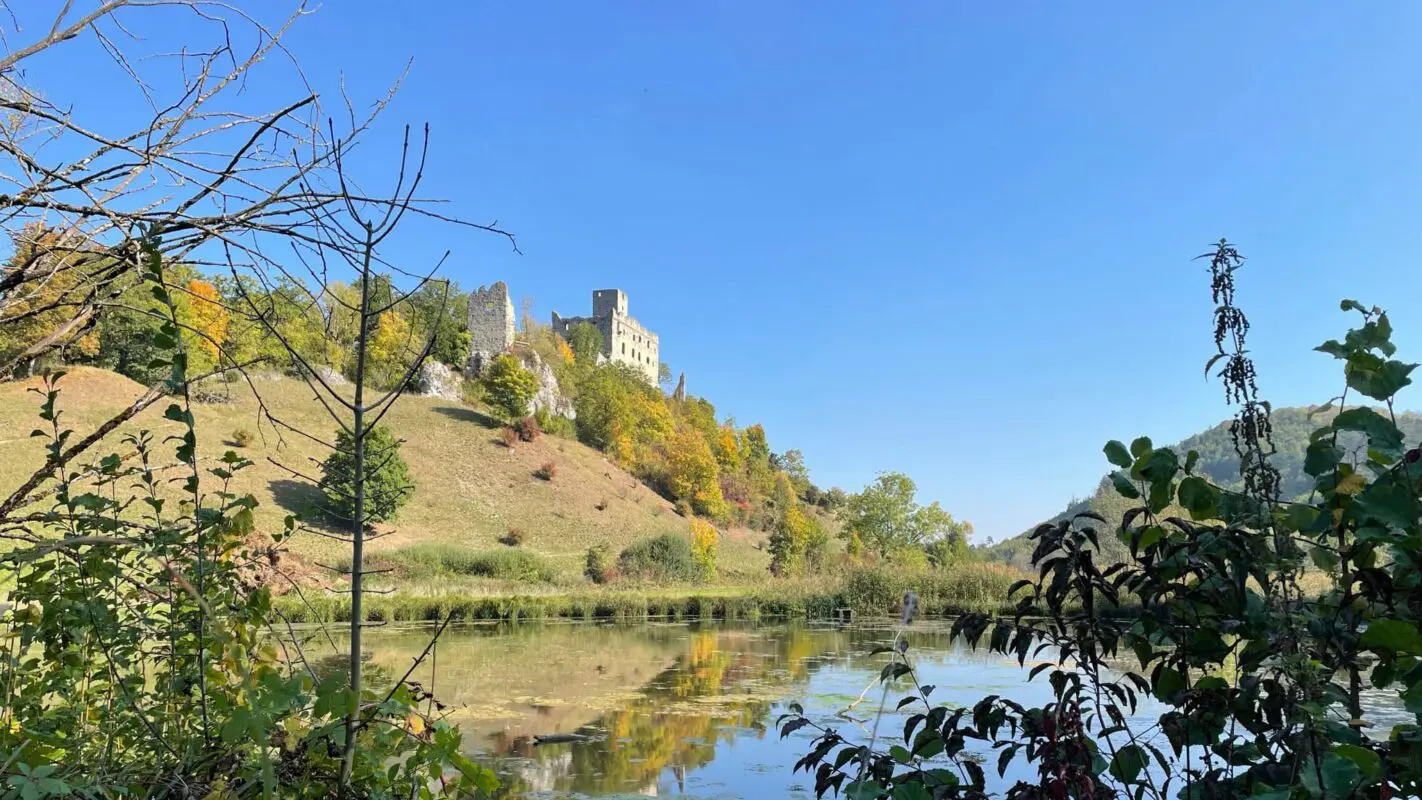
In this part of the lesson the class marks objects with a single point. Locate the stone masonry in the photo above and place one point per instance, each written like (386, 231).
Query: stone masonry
(624, 339)
(491, 325)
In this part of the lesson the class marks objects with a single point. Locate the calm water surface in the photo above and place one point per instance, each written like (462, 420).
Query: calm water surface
(679, 710)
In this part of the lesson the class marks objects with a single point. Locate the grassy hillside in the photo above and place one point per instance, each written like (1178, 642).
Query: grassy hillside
(1292, 427)
(471, 489)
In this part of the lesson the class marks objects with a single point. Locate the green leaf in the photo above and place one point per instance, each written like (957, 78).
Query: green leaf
(1199, 498)
(1128, 762)
(1141, 446)
(1116, 453)
(1323, 558)
(1124, 487)
(1381, 380)
(1393, 635)
(1367, 761)
(1340, 776)
(911, 791)
(900, 754)
(1383, 436)
(1320, 458)
(1168, 682)
(1300, 516)
(1389, 504)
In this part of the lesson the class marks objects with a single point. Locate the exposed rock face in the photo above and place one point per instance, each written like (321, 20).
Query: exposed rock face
(331, 376)
(437, 380)
(549, 399)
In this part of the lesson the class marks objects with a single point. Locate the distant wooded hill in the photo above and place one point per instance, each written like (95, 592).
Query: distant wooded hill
(1218, 461)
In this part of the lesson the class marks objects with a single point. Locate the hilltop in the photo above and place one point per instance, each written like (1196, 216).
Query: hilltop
(471, 489)
(1219, 463)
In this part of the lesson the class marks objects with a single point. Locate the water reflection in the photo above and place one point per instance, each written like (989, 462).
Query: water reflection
(721, 689)
(678, 709)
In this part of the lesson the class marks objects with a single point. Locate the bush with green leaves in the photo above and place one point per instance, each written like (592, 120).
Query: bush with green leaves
(665, 558)
(1262, 681)
(508, 387)
(597, 565)
(388, 482)
(145, 659)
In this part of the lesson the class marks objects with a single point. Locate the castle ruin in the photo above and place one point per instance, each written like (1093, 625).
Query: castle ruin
(624, 340)
(491, 325)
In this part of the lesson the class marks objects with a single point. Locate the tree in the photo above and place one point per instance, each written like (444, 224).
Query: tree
(885, 517)
(439, 309)
(792, 463)
(703, 547)
(37, 317)
(509, 387)
(789, 539)
(664, 374)
(390, 353)
(388, 483)
(207, 323)
(586, 341)
(692, 473)
(620, 414)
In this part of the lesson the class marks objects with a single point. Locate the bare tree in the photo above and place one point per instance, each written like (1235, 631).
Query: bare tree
(265, 197)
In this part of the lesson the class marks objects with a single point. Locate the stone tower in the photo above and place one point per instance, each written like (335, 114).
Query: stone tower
(624, 339)
(491, 325)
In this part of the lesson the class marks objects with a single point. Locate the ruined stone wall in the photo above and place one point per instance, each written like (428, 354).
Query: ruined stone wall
(624, 339)
(491, 325)
(633, 344)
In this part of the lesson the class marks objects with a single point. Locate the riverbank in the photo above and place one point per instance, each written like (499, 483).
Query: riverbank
(868, 591)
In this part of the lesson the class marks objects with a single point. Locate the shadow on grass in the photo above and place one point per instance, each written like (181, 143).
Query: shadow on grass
(465, 414)
(301, 498)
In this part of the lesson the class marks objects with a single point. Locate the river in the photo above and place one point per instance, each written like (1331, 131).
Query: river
(680, 709)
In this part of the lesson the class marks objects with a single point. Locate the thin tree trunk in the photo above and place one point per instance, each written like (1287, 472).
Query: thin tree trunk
(358, 515)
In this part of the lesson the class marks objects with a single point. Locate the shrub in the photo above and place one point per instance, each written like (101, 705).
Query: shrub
(683, 507)
(598, 565)
(509, 387)
(510, 565)
(514, 537)
(243, 437)
(703, 547)
(388, 483)
(423, 561)
(508, 436)
(471, 391)
(555, 425)
(528, 429)
(661, 558)
(546, 472)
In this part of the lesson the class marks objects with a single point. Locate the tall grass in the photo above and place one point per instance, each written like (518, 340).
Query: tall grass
(965, 588)
(433, 560)
(862, 591)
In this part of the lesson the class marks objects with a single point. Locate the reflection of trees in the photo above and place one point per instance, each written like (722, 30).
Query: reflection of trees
(672, 724)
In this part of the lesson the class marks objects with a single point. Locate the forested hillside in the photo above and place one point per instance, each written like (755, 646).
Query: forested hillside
(1292, 427)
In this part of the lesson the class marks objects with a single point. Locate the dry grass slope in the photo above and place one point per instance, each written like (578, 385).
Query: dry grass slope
(471, 489)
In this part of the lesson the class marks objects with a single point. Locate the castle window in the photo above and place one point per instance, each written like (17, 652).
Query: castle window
(624, 348)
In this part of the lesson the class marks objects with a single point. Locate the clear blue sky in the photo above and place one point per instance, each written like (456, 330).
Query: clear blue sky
(950, 239)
